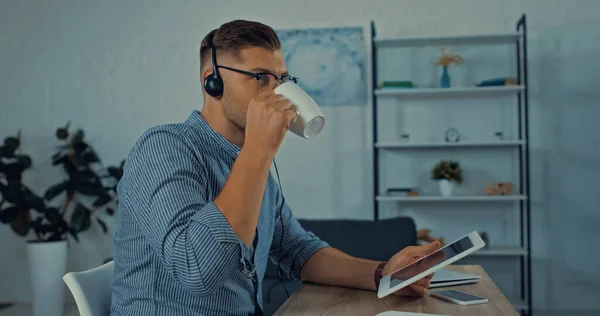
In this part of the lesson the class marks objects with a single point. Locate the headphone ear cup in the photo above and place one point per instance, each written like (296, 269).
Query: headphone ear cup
(213, 85)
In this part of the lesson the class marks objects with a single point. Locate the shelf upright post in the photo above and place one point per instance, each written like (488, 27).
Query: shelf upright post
(525, 211)
(375, 127)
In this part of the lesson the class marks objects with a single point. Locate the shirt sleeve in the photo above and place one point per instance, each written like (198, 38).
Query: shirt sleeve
(166, 195)
(292, 245)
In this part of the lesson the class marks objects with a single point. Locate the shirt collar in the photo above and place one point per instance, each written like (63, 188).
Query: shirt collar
(196, 120)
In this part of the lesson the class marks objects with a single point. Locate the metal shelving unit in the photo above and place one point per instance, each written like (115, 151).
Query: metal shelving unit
(521, 198)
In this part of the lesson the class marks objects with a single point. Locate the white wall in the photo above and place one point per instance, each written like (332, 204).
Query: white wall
(135, 64)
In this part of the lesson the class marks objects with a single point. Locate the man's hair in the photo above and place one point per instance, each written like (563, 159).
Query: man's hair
(232, 37)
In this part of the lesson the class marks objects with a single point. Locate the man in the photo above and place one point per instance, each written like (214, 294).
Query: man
(199, 212)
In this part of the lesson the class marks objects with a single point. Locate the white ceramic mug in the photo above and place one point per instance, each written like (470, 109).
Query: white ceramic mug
(309, 120)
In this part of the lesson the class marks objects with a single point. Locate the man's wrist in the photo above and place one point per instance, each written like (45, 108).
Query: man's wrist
(259, 158)
(378, 274)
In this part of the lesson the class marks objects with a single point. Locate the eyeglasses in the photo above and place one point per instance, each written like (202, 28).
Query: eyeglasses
(264, 79)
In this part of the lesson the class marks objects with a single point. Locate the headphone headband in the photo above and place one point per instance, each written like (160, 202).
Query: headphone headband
(213, 55)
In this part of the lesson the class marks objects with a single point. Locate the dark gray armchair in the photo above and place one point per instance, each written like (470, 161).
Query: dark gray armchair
(375, 240)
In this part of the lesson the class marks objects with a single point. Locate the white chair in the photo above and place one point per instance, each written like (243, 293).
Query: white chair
(92, 289)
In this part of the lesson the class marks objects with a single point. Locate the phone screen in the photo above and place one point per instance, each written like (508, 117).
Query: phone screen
(445, 253)
(461, 296)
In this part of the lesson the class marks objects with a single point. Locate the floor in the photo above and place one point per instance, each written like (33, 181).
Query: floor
(25, 310)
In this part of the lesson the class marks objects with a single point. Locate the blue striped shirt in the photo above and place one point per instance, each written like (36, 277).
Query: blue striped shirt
(174, 251)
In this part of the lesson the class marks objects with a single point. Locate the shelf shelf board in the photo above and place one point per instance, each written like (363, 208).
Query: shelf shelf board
(501, 251)
(399, 41)
(457, 198)
(408, 145)
(398, 92)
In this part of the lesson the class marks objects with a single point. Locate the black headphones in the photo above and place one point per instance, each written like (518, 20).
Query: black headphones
(213, 84)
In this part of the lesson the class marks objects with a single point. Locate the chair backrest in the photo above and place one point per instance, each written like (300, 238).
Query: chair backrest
(375, 240)
(92, 289)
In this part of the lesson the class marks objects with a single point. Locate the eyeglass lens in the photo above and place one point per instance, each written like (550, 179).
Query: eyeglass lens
(269, 81)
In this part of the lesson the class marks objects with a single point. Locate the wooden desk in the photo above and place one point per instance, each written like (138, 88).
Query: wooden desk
(325, 300)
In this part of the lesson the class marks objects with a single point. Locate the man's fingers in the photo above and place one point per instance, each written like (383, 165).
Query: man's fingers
(290, 114)
(274, 98)
(418, 291)
(265, 93)
(421, 251)
(282, 104)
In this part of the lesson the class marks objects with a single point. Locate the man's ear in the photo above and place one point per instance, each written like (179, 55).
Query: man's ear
(205, 73)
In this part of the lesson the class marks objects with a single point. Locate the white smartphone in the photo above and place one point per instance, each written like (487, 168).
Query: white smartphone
(459, 297)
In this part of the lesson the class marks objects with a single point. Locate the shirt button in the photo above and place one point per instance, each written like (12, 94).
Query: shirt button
(248, 274)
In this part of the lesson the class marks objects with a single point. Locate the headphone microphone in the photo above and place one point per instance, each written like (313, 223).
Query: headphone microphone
(213, 84)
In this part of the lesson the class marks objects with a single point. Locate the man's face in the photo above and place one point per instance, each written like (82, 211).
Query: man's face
(239, 89)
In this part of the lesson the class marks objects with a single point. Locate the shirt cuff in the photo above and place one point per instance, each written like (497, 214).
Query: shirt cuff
(211, 217)
(309, 250)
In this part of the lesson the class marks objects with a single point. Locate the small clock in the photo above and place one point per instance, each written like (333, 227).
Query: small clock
(452, 135)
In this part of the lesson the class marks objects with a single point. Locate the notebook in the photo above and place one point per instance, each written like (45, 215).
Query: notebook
(444, 277)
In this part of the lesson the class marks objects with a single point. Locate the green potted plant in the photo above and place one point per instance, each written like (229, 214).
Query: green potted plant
(448, 174)
(28, 213)
(87, 179)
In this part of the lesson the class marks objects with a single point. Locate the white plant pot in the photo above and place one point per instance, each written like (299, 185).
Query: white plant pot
(47, 266)
(446, 187)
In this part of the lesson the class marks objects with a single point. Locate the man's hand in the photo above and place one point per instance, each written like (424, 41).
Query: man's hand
(407, 256)
(268, 118)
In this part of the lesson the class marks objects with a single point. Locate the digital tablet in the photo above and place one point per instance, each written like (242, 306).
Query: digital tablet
(429, 264)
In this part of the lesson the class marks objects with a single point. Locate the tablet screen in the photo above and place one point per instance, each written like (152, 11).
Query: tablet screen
(434, 259)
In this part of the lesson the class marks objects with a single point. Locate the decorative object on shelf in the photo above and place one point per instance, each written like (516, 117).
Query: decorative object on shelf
(452, 135)
(448, 174)
(396, 84)
(405, 137)
(484, 237)
(445, 60)
(424, 234)
(508, 81)
(499, 135)
(405, 191)
(499, 188)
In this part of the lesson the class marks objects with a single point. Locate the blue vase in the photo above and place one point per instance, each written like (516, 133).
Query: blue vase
(445, 80)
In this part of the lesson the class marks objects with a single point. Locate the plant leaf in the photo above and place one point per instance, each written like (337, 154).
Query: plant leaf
(20, 225)
(103, 225)
(90, 157)
(33, 201)
(90, 188)
(53, 216)
(58, 158)
(9, 214)
(55, 190)
(81, 218)
(73, 233)
(110, 211)
(102, 200)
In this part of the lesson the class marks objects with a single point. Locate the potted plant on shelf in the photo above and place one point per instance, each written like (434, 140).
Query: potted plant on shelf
(445, 60)
(28, 213)
(448, 174)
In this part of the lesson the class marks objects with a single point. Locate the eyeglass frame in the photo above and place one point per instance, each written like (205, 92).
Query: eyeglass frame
(258, 75)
